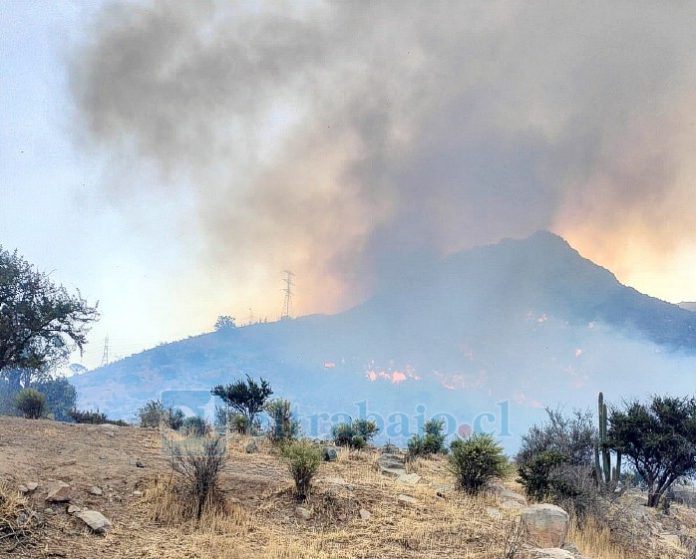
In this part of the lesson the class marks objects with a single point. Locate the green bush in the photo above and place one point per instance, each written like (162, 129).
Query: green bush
(195, 426)
(284, 426)
(475, 461)
(431, 442)
(537, 474)
(303, 459)
(356, 434)
(30, 403)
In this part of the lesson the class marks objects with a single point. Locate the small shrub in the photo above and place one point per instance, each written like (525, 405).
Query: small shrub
(87, 416)
(283, 426)
(222, 416)
(365, 428)
(93, 418)
(303, 459)
(199, 466)
(152, 414)
(431, 442)
(416, 446)
(342, 434)
(31, 403)
(175, 419)
(239, 423)
(475, 461)
(195, 426)
(358, 442)
(356, 434)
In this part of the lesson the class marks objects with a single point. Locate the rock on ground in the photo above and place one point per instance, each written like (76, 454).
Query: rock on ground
(544, 526)
(59, 492)
(406, 499)
(303, 513)
(96, 521)
(330, 454)
(392, 464)
(548, 553)
(410, 479)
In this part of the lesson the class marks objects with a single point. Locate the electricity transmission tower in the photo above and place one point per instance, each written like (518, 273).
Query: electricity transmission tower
(289, 284)
(105, 355)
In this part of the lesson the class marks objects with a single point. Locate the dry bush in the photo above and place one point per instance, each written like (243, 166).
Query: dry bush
(19, 524)
(168, 504)
(198, 463)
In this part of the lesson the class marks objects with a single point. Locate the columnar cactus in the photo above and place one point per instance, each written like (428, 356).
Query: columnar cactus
(606, 475)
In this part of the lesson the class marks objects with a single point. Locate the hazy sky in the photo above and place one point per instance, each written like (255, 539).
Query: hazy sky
(170, 159)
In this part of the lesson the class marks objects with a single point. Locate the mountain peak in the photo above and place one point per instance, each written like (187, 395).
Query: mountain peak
(542, 239)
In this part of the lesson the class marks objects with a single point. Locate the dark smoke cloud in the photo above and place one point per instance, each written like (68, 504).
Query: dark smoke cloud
(336, 138)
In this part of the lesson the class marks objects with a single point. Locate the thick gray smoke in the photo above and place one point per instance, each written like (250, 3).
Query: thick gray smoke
(331, 137)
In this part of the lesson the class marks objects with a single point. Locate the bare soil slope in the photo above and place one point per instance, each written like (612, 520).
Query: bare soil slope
(263, 522)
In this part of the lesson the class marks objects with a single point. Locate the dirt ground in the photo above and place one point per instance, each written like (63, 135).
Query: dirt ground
(262, 521)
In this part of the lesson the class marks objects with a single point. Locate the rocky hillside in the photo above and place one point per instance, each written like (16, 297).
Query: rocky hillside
(93, 491)
(499, 331)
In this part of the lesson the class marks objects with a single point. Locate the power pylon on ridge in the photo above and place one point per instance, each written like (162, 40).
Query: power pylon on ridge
(289, 284)
(105, 355)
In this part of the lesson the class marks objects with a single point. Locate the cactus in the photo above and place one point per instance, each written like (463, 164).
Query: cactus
(606, 475)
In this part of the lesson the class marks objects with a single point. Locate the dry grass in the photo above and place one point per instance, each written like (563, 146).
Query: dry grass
(596, 540)
(19, 524)
(258, 520)
(169, 506)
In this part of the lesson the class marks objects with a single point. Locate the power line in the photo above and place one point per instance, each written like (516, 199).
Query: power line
(105, 355)
(287, 303)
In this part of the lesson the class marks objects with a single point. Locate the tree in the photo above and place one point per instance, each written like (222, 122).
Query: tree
(40, 322)
(246, 397)
(61, 397)
(225, 322)
(658, 439)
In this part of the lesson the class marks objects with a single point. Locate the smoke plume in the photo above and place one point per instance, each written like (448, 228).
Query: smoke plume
(336, 139)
